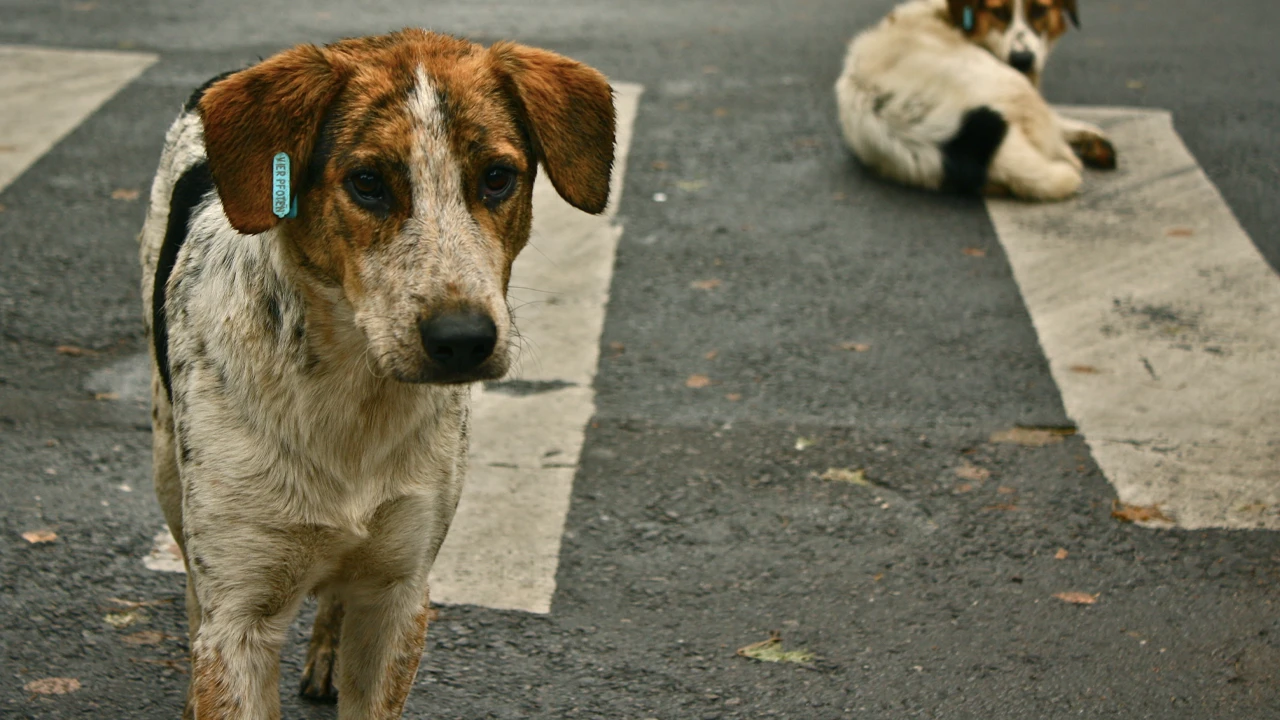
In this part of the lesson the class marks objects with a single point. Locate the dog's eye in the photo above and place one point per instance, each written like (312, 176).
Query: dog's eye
(367, 189)
(1035, 11)
(1004, 14)
(497, 183)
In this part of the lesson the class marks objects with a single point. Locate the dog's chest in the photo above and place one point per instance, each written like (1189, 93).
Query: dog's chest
(277, 405)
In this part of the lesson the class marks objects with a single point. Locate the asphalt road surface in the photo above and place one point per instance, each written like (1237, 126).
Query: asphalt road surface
(834, 323)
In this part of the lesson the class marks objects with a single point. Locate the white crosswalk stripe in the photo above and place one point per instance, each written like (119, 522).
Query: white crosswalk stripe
(48, 92)
(1161, 322)
(504, 546)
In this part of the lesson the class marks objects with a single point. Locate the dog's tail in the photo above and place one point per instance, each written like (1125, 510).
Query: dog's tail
(914, 146)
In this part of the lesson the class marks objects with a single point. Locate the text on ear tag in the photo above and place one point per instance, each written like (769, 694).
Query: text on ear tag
(282, 200)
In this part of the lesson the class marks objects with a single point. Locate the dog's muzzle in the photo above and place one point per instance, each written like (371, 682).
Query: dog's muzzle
(459, 342)
(1023, 61)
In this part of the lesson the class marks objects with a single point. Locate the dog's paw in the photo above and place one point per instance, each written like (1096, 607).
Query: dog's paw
(1096, 151)
(318, 676)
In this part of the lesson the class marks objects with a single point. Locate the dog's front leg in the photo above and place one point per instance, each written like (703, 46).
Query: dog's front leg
(1089, 143)
(249, 581)
(386, 609)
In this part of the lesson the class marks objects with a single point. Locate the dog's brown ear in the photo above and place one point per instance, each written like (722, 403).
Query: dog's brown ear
(273, 107)
(1069, 7)
(569, 109)
(964, 13)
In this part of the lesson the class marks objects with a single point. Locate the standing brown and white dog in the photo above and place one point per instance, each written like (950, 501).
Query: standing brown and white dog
(316, 318)
(944, 94)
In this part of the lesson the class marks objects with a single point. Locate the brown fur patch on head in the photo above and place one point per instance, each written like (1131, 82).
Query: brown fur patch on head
(1048, 18)
(988, 15)
(249, 116)
(569, 108)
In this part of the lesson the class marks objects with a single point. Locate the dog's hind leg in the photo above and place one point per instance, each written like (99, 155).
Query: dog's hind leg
(1026, 172)
(318, 675)
(1089, 143)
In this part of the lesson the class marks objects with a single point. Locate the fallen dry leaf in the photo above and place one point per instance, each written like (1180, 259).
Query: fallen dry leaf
(52, 686)
(1085, 369)
(74, 351)
(1077, 598)
(711, 354)
(709, 284)
(733, 397)
(1003, 490)
(854, 346)
(721, 112)
(177, 665)
(1003, 507)
(963, 488)
(697, 381)
(771, 651)
(1135, 84)
(974, 252)
(1179, 232)
(145, 637)
(691, 185)
(659, 165)
(1032, 436)
(121, 620)
(36, 537)
(1138, 513)
(1061, 554)
(106, 396)
(135, 604)
(849, 475)
(972, 472)
(804, 442)
(124, 194)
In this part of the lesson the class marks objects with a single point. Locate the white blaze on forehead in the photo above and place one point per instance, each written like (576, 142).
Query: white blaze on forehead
(434, 172)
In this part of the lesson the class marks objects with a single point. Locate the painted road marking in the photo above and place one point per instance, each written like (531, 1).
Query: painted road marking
(527, 431)
(48, 92)
(504, 546)
(1161, 322)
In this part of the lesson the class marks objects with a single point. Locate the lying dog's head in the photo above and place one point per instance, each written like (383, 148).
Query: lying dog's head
(413, 159)
(1019, 32)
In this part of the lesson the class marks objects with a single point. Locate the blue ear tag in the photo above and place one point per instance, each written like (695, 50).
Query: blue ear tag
(283, 202)
(967, 19)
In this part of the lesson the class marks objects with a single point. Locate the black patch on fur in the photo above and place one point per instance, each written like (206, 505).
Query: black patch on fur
(880, 101)
(198, 93)
(275, 318)
(190, 190)
(966, 157)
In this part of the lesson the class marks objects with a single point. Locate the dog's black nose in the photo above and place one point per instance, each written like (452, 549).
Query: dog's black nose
(1022, 61)
(459, 341)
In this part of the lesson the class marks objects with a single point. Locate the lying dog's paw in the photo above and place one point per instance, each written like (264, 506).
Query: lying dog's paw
(318, 676)
(1095, 151)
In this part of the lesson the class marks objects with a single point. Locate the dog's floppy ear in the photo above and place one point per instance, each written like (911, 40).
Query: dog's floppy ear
(964, 13)
(273, 107)
(569, 110)
(1069, 7)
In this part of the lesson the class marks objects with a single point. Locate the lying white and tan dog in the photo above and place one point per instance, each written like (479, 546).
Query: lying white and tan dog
(944, 94)
(325, 267)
